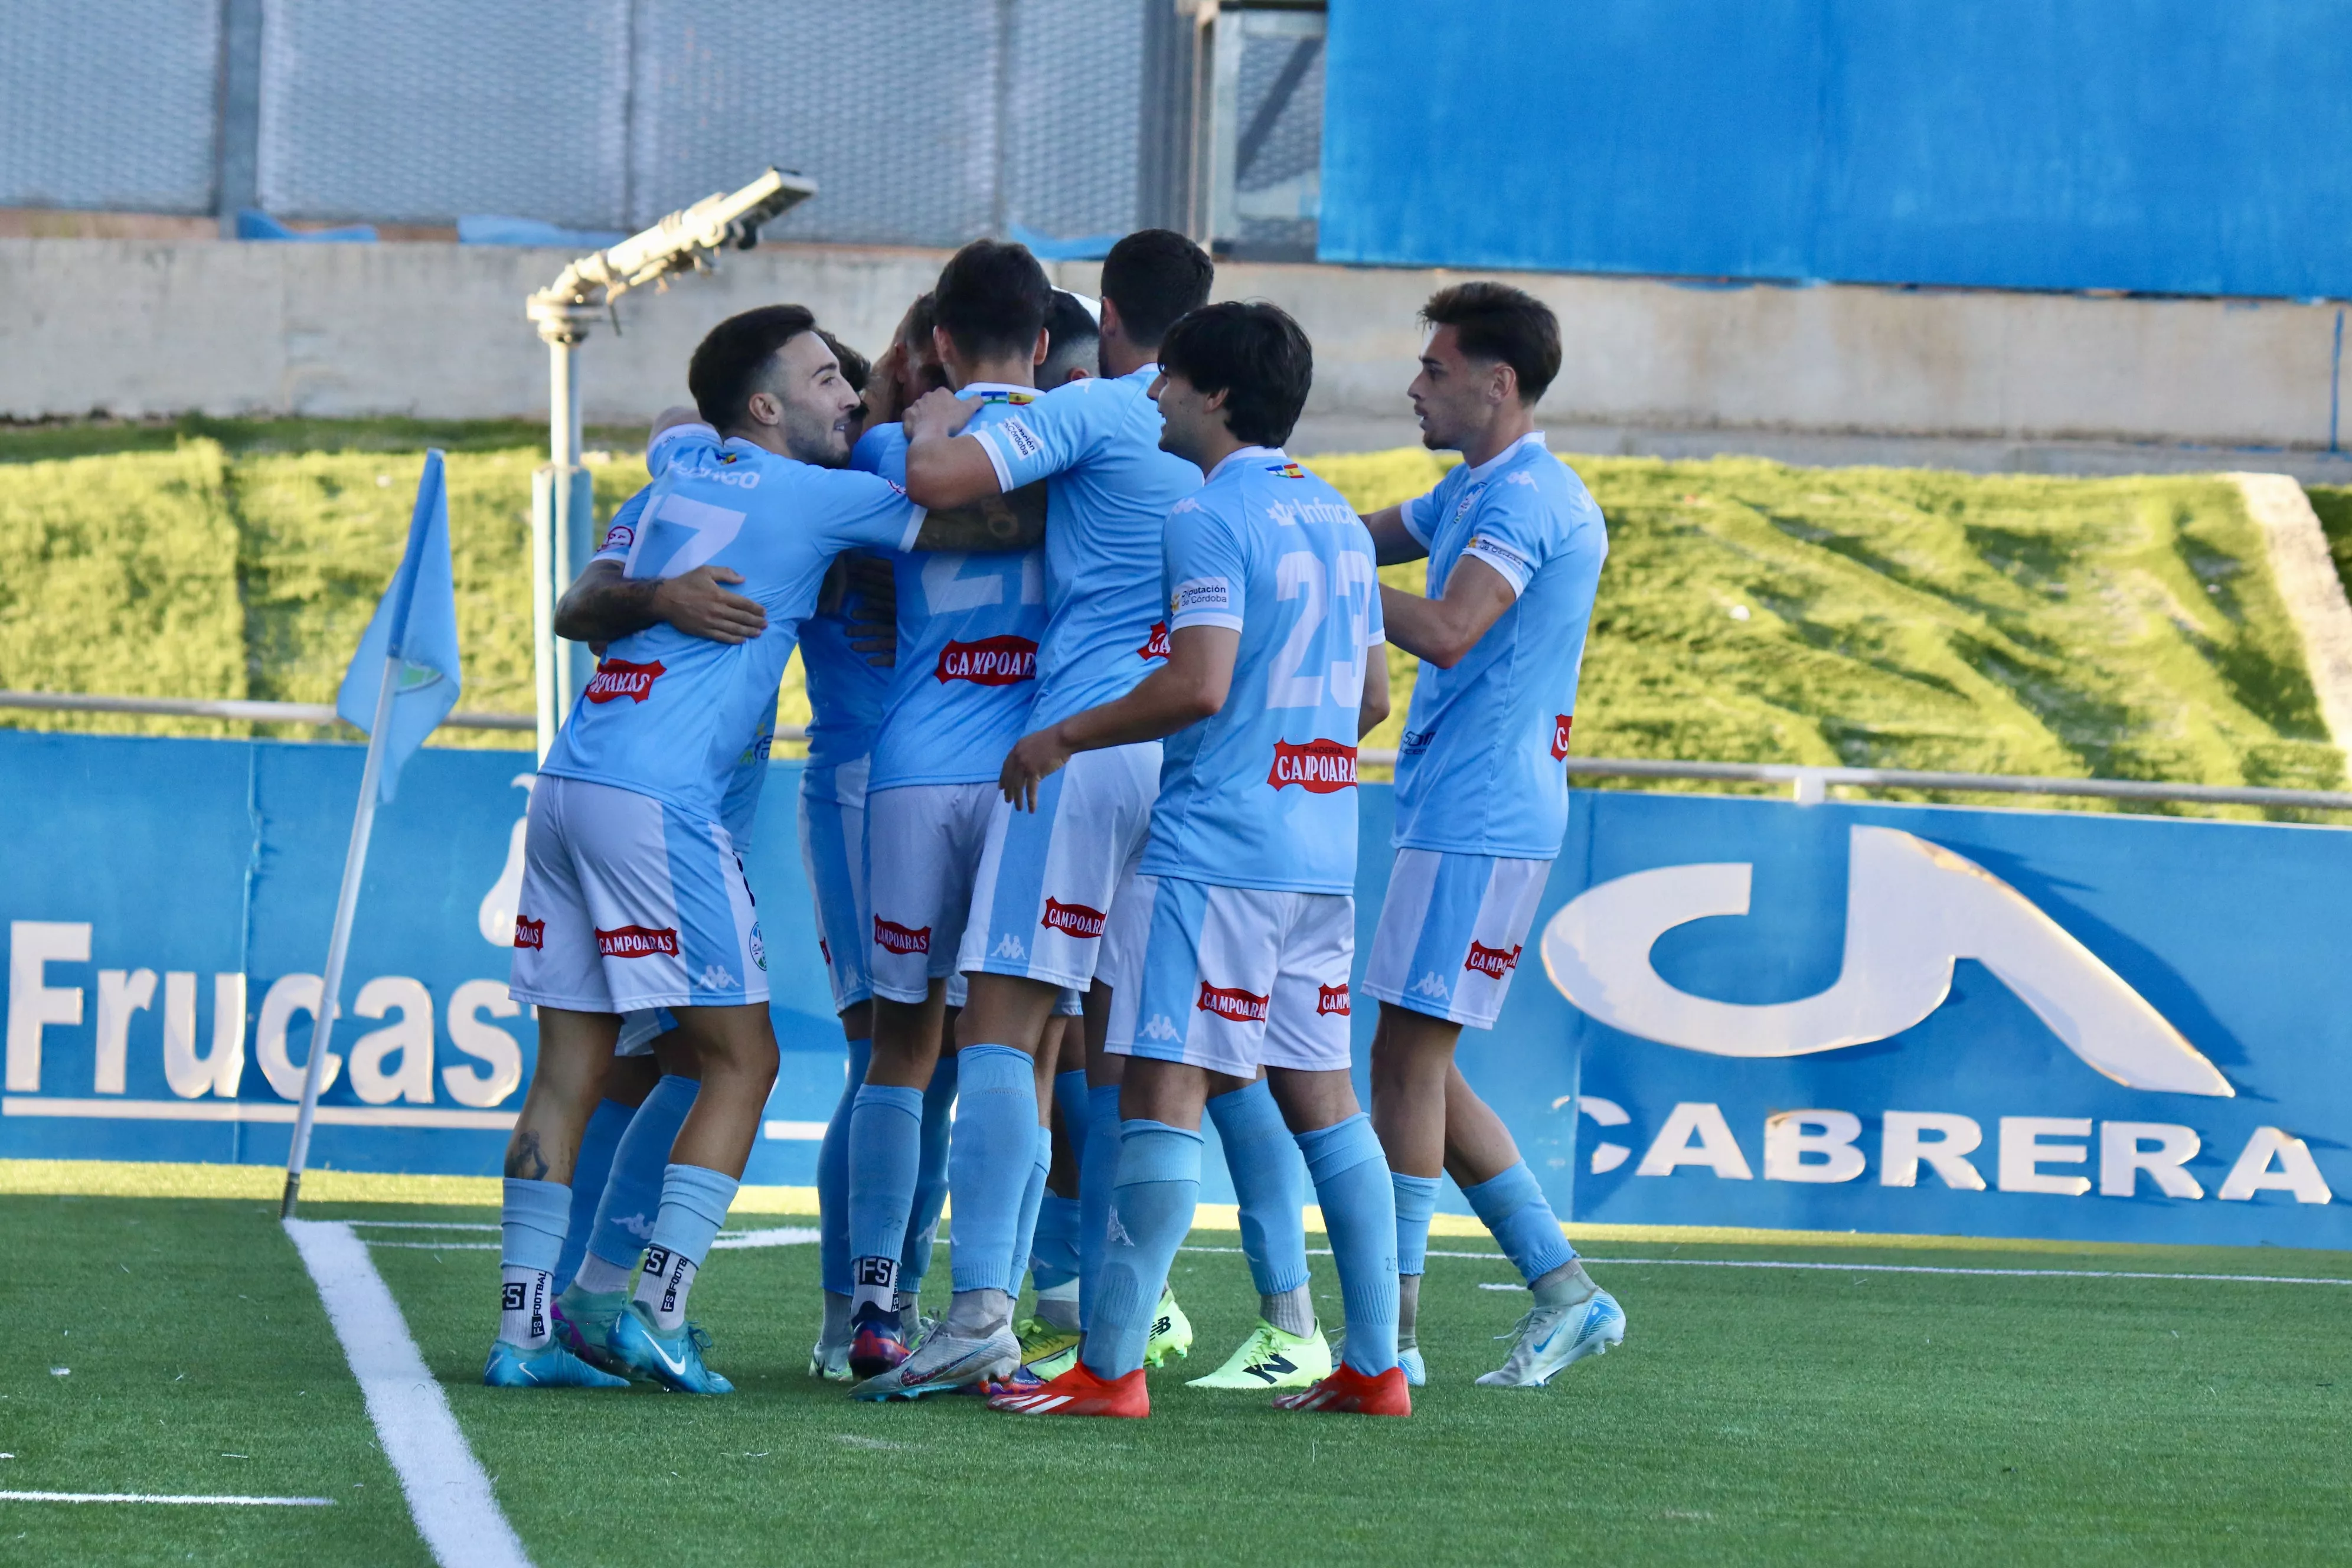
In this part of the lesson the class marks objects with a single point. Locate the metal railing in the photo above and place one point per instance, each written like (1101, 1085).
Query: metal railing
(1807, 785)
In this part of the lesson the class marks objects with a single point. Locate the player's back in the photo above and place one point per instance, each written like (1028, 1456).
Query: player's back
(1262, 793)
(968, 630)
(846, 691)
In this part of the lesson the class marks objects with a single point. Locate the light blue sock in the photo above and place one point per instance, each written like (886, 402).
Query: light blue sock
(1416, 1200)
(1158, 1188)
(996, 1149)
(1032, 1198)
(833, 1180)
(531, 1223)
(631, 1196)
(1351, 1182)
(1077, 1116)
(930, 1177)
(886, 1127)
(589, 1169)
(1098, 1173)
(1514, 1208)
(694, 1201)
(1053, 1251)
(1270, 1181)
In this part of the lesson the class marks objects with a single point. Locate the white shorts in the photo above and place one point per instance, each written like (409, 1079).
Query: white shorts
(832, 851)
(1048, 879)
(1234, 979)
(1451, 934)
(629, 903)
(640, 1030)
(923, 844)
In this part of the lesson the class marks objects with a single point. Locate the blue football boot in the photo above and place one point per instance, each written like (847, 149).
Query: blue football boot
(673, 1360)
(547, 1366)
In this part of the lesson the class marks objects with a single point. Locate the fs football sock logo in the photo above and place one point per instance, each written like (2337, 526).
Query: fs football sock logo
(1319, 767)
(877, 1273)
(617, 678)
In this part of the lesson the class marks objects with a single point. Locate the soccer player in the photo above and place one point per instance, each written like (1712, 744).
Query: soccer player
(1515, 546)
(633, 897)
(1274, 672)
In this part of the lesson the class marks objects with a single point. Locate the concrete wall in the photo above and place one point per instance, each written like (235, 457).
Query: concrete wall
(158, 327)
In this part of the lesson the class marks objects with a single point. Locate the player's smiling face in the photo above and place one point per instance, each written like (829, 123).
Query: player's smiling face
(1454, 395)
(809, 402)
(1190, 423)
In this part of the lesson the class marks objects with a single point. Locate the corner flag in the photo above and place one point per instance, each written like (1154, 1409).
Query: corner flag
(416, 622)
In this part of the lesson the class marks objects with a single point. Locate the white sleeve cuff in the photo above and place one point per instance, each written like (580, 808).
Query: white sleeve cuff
(675, 432)
(995, 459)
(1509, 562)
(1405, 516)
(914, 527)
(1205, 618)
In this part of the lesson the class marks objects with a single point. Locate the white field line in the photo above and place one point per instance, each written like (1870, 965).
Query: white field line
(1870, 1267)
(439, 1246)
(415, 1225)
(728, 1240)
(163, 1497)
(777, 1236)
(449, 1495)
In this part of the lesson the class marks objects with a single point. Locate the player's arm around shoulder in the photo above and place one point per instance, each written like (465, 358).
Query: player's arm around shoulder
(1393, 543)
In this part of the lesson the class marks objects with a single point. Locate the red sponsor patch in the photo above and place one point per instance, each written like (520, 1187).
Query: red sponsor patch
(1492, 962)
(1156, 645)
(617, 678)
(991, 661)
(892, 937)
(1232, 1004)
(636, 942)
(1319, 767)
(620, 536)
(1559, 728)
(1331, 999)
(1075, 919)
(530, 933)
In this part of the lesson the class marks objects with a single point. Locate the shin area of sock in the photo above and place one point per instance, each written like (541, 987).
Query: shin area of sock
(598, 1143)
(1515, 1210)
(1269, 1187)
(1156, 1190)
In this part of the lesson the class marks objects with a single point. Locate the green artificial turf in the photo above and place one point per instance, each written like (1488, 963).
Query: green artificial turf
(1752, 1416)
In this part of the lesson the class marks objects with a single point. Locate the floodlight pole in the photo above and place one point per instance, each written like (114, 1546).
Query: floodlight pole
(562, 511)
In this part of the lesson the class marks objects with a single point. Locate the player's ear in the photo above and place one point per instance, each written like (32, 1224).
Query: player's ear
(765, 408)
(1044, 342)
(1504, 383)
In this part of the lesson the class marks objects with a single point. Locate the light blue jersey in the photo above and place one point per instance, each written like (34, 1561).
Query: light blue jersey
(845, 692)
(670, 715)
(1479, 771)
(1097, 444)
(1262, 793)
(968, 631)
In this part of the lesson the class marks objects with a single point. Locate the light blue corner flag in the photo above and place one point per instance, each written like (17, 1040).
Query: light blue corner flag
(417, 623)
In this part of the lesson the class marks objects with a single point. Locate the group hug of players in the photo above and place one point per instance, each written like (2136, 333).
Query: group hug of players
(1087, 657)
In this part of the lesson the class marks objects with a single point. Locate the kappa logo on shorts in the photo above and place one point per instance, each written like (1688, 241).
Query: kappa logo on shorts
(530, 933)
(716, 977)
(1156, 645)
(620, 536)
(637, 941)
(1431, 986)
(1074, 920)
(1232, 1004)
(1560, 725)
(1008, 946)
(1331, 999)
(1491, 962)
(1004, 660)
(892, 937)
(1162, 1027)
(1319, 767)
(617, 678)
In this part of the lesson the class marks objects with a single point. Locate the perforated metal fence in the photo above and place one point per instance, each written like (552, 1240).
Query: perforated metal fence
(109, 106)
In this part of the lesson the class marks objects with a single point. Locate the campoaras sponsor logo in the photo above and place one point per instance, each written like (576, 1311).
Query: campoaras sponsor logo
(1004, 660)
(892, 937)
(637, 941)
(1074, 920)
(530, 933)
(1232, 1004)
(1156, 645)
(1319, 767)
(1331, 999)
(1560, 725)
(620, 536)
(1492, 962)
(617, 678)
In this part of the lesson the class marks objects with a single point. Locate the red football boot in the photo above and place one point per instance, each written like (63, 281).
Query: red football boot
(1347, 1392)
(1078, 1391)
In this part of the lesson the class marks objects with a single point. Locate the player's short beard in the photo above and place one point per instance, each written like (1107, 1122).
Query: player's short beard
(814, 437)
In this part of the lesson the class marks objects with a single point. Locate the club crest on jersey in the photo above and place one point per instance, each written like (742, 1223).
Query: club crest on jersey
(530, 933)
(1005, 661)
(1331, 999)
(1074, 920)
(1156, 645)
(892, 937)
(617, 678)
(637, 941)
(1319, 767)
(1560, 725)
(1231, 1004)
(620, 536)
(1493, 962)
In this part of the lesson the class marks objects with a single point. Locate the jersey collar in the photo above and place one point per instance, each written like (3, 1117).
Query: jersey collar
(999, 391)
(1249, 455)
(1486, 469)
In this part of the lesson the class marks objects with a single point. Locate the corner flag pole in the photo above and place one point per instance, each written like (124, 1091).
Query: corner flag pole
(322, 1025)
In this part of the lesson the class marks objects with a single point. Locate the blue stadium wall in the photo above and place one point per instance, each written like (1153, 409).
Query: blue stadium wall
(2162, 146)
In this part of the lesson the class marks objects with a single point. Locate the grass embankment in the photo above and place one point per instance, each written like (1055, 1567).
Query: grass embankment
(1750, 611)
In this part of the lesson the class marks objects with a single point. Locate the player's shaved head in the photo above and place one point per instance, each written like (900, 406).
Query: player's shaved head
(1499, 324)
(737, 358)
(1154, 277)
(992, 300)
(1072, 338)
(1254, 354)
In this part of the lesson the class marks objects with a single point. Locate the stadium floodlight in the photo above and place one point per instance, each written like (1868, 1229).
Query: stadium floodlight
(563, 500)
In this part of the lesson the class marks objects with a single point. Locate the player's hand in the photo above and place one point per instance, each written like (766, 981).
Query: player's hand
(699, 605)
(1033, 756)
(873, 610)
(938, 413)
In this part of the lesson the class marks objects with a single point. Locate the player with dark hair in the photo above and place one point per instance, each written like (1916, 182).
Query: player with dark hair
(1073, 340)
(1274, 672)
(1515, 546)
